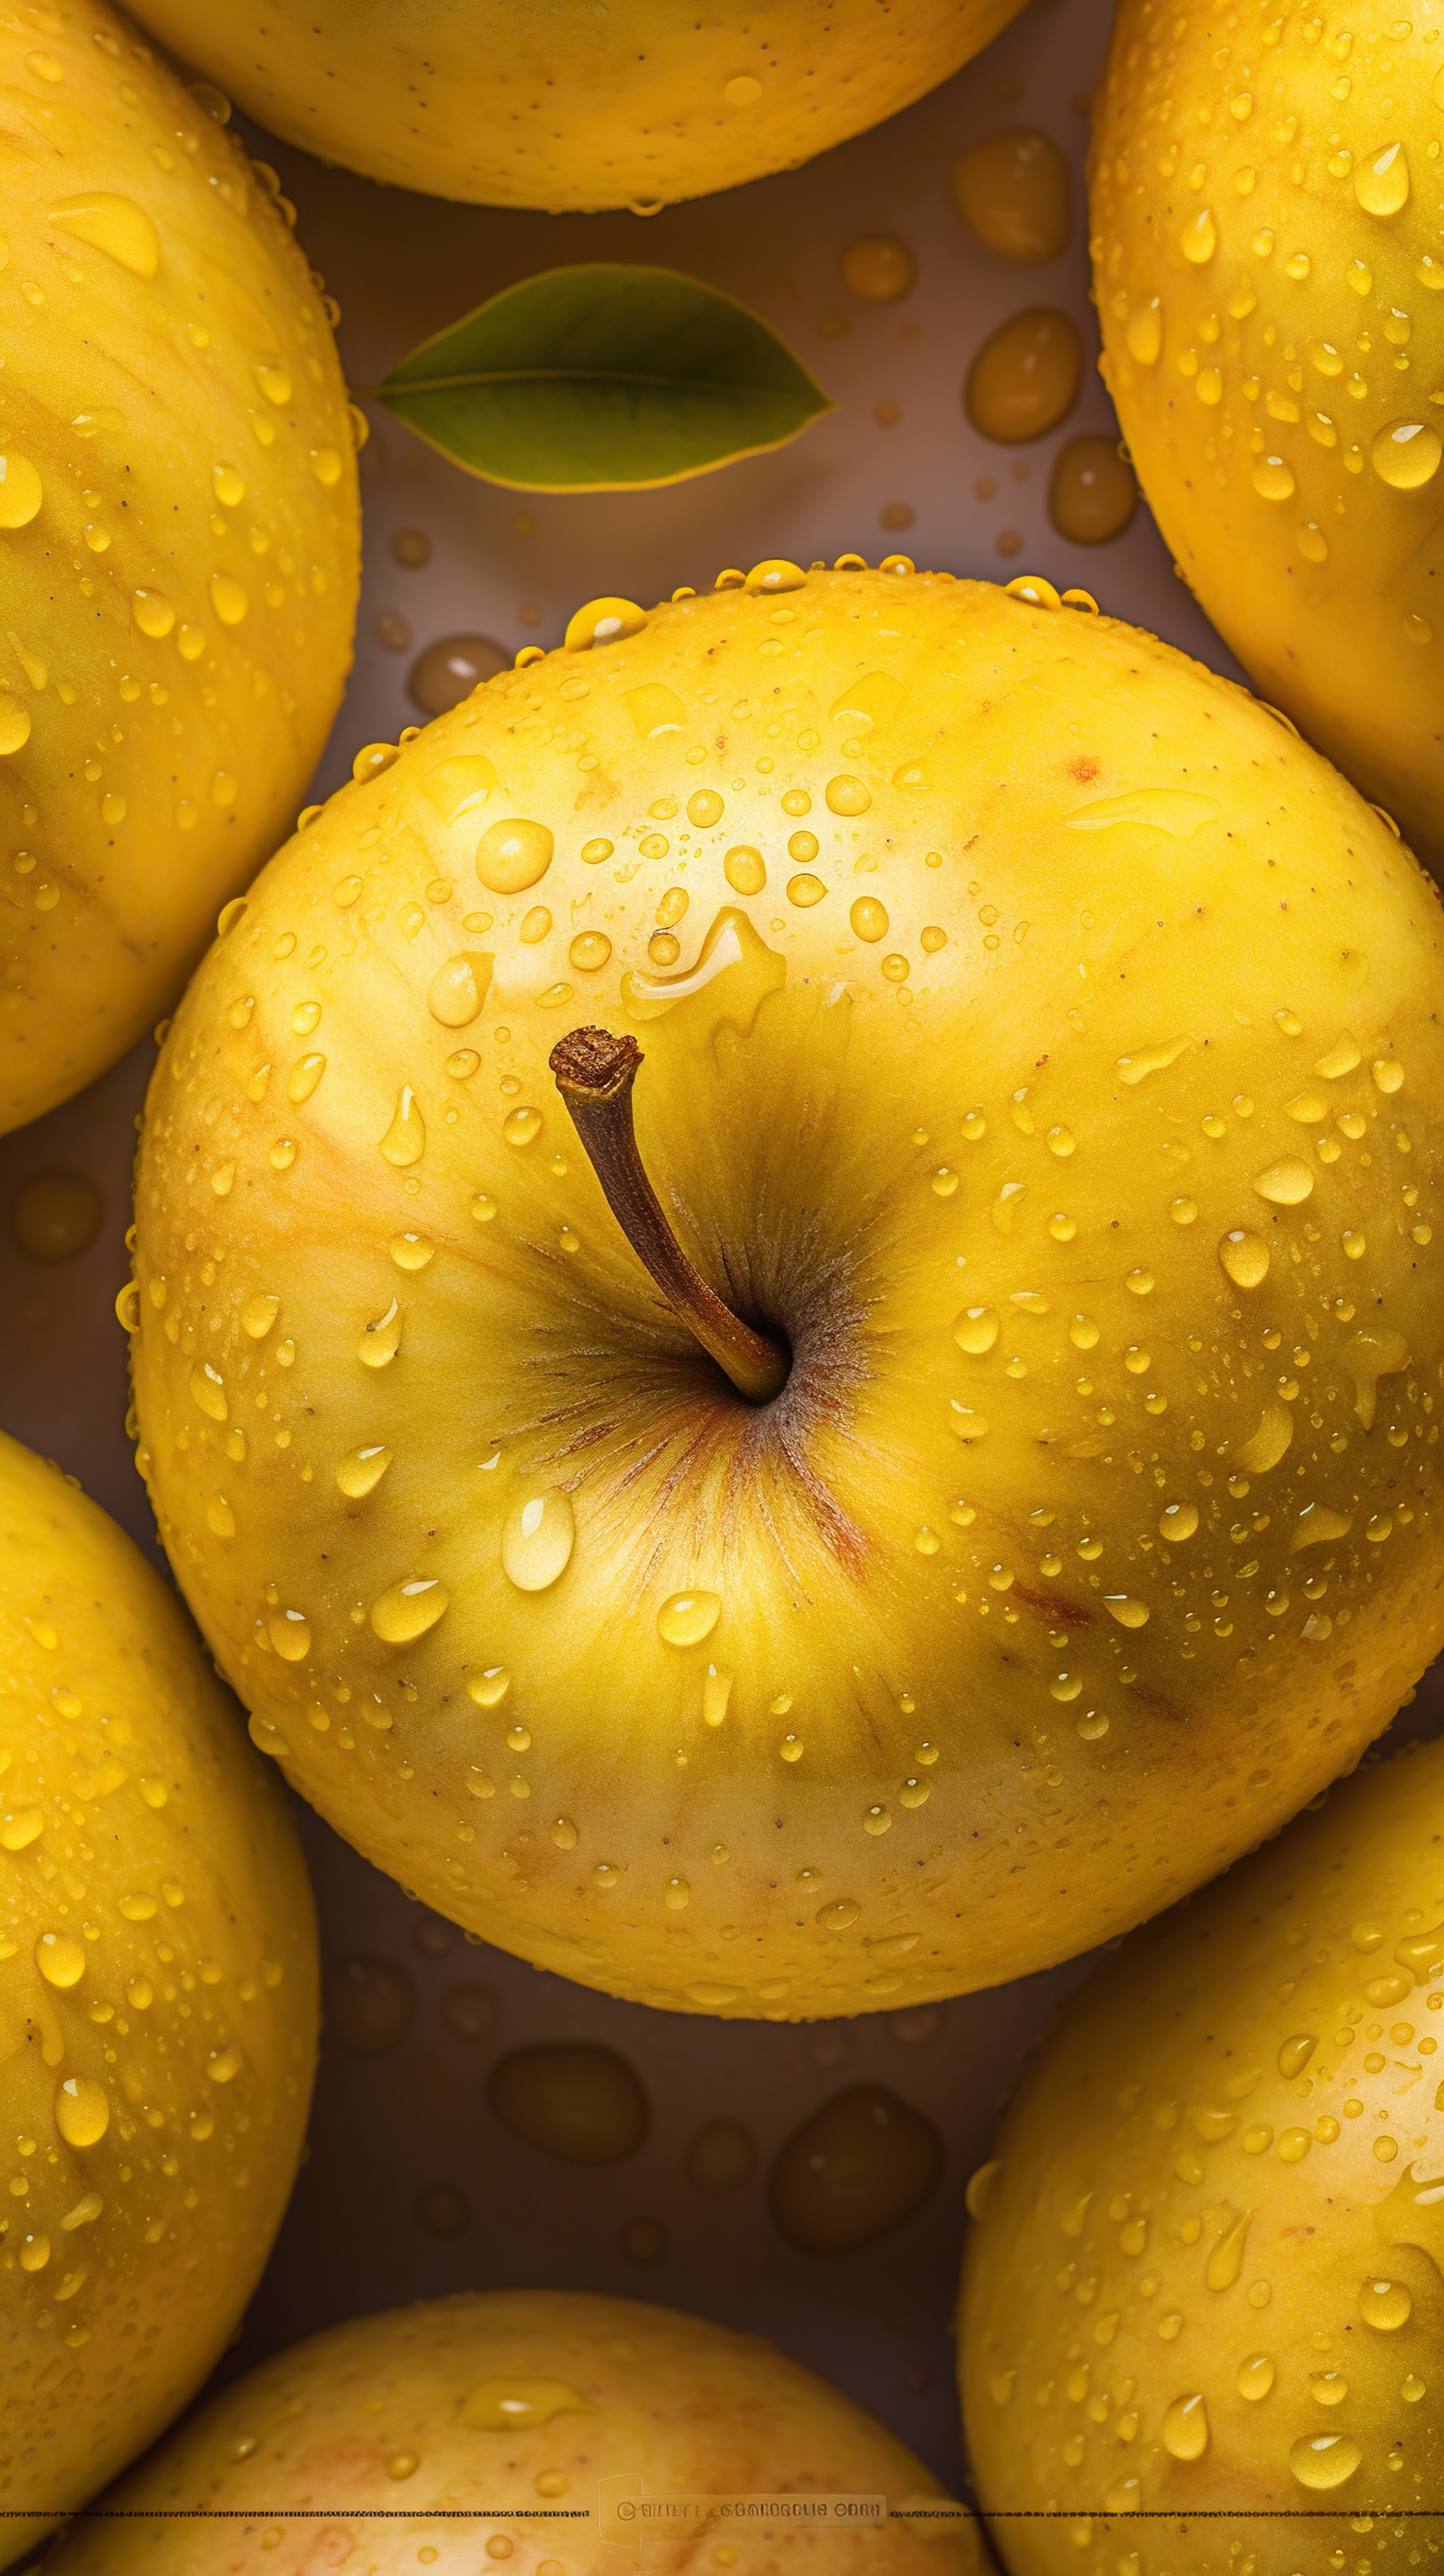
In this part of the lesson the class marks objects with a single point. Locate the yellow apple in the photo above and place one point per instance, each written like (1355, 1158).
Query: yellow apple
(1208, 2273)
(530, 2426)
(572, 106)
(178, 539)
(1266, 201)
(1046, 1050)
(157, 2004)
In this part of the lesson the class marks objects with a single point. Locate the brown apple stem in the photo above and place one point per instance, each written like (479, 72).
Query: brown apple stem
(594, 1074)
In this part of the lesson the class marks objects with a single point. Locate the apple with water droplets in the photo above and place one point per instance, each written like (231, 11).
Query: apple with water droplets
(157, 2004)
(784, 1332)
(1206, 2274)
(1266, 197)
(530, 2426)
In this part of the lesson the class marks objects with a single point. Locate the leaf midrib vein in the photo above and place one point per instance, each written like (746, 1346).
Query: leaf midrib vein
(569, 375)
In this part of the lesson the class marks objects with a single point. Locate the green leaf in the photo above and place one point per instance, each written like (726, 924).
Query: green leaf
(603, 378)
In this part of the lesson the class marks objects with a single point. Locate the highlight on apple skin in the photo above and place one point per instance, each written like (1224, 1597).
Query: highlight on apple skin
(1041, 1049)
(572, 108)
(158, 2004)
(1206, 2274)
(179, 540)
(518, 2421)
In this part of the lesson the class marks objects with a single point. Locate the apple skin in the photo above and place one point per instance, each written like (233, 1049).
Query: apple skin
(1253, 384)
(618, 2389)
(179, 541)
(150, 1864)
(1197, 2179)
(507, 103)
(882, 1776)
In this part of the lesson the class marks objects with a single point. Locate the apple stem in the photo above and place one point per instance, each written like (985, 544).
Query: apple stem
(594, 1074)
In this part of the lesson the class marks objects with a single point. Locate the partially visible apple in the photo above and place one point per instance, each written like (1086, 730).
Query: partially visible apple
(1266, 198)
(1203, 2303)
(178, 538)
(531, 2426)
(157, 2004)
(1045, 1050)
(572, 106)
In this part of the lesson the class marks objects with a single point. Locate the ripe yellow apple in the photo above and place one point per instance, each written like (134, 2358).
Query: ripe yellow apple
(1266, 201)
(531, 2426)
(178, 539)
(157, 2004)
(572, 106)
(1046, 1050)
(1208, 2275)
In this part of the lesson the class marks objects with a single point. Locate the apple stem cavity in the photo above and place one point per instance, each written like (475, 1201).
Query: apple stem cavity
(594, 1073)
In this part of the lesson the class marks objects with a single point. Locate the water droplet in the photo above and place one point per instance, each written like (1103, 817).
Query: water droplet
(976, 1329)
(407, 1610)
(868, 919)
(208, 1391)
(21, 491)
(1273, 478)
(1199, 239)
(1323, 2460)
(537, 1540)
(1368, 1355)
(514, 2405)
(1222, 2267)
(153, 614)
(579, 2103)
(1255, 2377)
(1405, 454)
(1295, 2053)
(1014, 192)
(451, 668)
(603, 621)
(1245, 1257)
(228, 599)
(381, 1340)
(838, 1917)
(1381, 180)
(112, 224)
(55, 1216)
(1174, 810)
(1025, 377)
(455, 788)
(1185, 2428)
(458, 989)
(589, 951)
(722, 2157)
(61, 1962)
(290, 1635)
(404, 1142)
(688, 1617)
(521, 1125)
(1179, 1521)
(362, 1470)
(855, 2170)
(82, 2111)
(512, 855)
(1128, 1613)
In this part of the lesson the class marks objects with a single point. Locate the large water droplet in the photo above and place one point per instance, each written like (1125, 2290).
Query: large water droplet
(688, 1617)
(458, 787)
(1381, 180)
(1178, 1521)
(82, 2111)
(1178, 811)
(512, 855)
(1199, 239)
(976, 1329)
(1255, 2377)
(537, 1540)
(1144, 333)
(1406, 453)
(1323, 2460)
(61, 1962)
(1128, 1612)
(208, 1391)
(603, 621)
(21, 492)
(1385, 2305)
(406, 1610)
(113, 224)
(381, 1340)
(290, 1634)
(855, 2170)
(577, 2102)
(1245, 1257)
(519, 2405)
(1185, 2428)
(1370, 1354)
(1268, 1444)
(404, 1142)
(459, 988)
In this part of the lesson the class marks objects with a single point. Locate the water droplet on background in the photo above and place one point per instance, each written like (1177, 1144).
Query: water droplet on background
(577, 2102)
(859, 2167)
(537, 1540)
